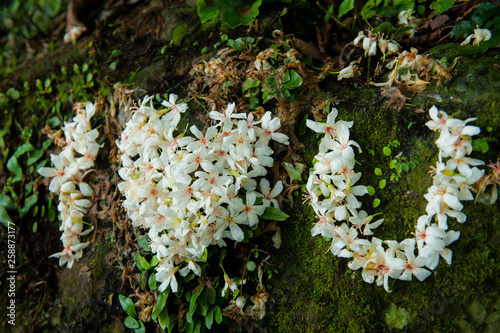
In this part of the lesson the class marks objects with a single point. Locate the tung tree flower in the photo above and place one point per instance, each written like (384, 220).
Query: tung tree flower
(194, 192)
(333, 196)
(67, 174)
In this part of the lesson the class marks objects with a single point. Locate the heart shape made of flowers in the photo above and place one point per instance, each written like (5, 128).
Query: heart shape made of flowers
(333, 195)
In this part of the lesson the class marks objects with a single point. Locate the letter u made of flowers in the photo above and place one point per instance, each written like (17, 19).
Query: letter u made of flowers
(333, 193)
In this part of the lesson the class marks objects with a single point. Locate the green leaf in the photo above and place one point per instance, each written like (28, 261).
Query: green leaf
(171, 322)
(218, 315)
(14, 167)
(131, 323)
(52, 214)
(189, 277)
(131, 77)
(442, 5)
(249, 84)
(127, 305)
(275, 214)
(294, 173)
(399, 168)
(6, 201)
(205, 254)
(203, 305)
(251, 266)
(164, 319)
(143, 243)
(190, 325)
(143, 264)
(378, 171)
(52, 7)
(376, 203)
(236, 44)
(152, 281)
(154, 261)
(303, 125)
(54, 122)
(34, 228)
(13, 93)
(387, 29)
(206, 12)
(24, 148)
(116, 53)
(141, 329)
(387, 151)
(34, 157)
(463, 27)
(371, 190)
(394, 10)
(160, 304)
(493, 23)
(4, 217)
(209, 319)
(231, 14)
(210, 294)
(382, 183)
(328, 106)
(292, 80)
(393, 163)
(345, 7)
(142, 280)
(193, 304)
(28, 203)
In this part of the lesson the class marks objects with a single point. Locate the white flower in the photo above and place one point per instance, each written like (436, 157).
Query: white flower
(192, 193)
(268, 194)
(228, 284)
(362, 220)
(174, 115)
(66, 176)
(251, 211)
(166, 276)
(414, 266)
(70, 254)
(348, 72)
(479, 35)
(269, 127)
(331, 127)
(228, 114)
(369, 43)
(62, 172)
(431, 235)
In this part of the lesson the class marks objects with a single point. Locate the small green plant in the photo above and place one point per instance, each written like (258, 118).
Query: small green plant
(21, 20)
(233, 13)
(398, 165)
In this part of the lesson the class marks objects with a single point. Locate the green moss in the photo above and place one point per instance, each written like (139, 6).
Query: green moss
(181, 25)
(179, 32)
(98, 259)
